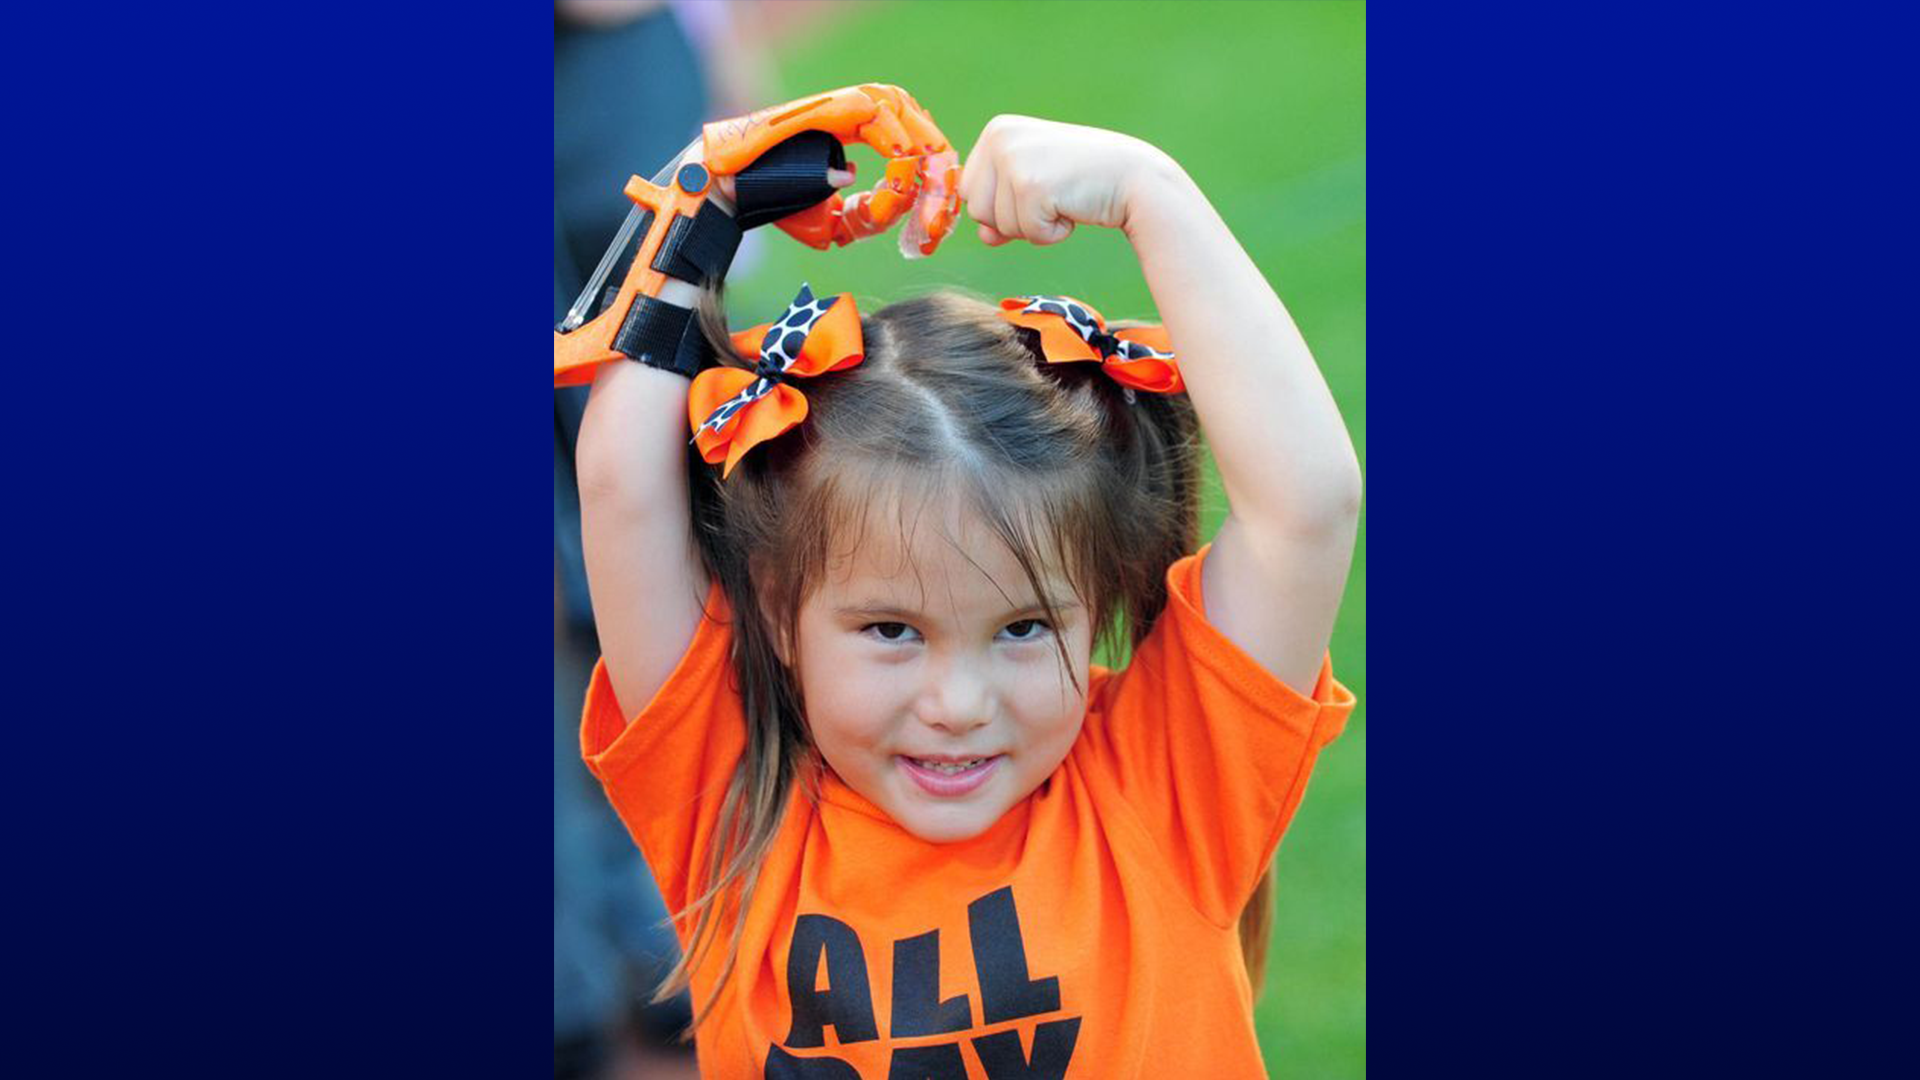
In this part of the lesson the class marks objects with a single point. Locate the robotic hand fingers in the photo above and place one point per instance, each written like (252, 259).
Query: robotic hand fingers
(776, 160)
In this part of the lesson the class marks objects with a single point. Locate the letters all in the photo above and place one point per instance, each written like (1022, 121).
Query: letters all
(1007, 992)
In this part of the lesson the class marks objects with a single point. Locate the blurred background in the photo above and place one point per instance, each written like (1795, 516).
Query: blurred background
(1262, 102)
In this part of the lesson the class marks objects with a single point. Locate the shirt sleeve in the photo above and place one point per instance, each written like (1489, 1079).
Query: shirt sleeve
(666, 770)
(1209, 750)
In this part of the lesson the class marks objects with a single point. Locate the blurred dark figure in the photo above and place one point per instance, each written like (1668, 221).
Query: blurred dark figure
(628, 92)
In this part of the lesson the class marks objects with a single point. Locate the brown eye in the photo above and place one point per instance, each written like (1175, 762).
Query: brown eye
(1027, 629)
(889, 631)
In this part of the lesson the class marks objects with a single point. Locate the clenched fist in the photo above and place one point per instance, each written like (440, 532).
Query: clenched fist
(1034, 180)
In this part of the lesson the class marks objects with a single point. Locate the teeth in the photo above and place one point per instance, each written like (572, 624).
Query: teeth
(949, 769)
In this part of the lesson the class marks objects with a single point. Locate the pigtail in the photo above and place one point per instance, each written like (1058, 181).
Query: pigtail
(757, 793)
(1256, 931)
(1157, 450)
(1167, 457)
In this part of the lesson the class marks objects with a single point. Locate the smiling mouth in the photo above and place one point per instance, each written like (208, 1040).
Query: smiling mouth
(949, 768)
(949, 778)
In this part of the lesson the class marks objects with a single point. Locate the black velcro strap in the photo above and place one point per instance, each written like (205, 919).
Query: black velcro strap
(788, 178)
(663, 335)
(699, 247)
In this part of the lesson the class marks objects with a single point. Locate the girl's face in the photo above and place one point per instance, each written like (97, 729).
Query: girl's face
(933, 682)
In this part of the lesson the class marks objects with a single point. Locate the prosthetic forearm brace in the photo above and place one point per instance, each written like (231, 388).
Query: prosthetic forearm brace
(778, 159)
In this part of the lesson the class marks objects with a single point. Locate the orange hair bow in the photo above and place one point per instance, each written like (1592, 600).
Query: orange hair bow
(1139, 359)
(733, 410)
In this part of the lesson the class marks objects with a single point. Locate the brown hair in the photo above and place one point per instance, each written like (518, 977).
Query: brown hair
(1054, 458)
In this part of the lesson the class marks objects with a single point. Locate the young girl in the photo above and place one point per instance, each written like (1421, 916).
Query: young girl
(846, 704)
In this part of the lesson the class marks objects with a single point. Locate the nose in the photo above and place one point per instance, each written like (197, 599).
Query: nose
(958, 697)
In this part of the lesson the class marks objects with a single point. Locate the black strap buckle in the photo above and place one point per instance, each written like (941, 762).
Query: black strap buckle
(700, 247)
(665, 336)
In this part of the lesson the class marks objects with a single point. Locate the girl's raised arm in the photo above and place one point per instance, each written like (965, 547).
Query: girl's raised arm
(1273, 579)
(636, 525)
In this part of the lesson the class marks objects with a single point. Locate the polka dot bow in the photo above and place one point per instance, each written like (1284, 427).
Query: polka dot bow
(733, 410)
(1140, 358)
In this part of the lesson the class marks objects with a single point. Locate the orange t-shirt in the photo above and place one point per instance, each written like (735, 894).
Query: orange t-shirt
(1091, 932)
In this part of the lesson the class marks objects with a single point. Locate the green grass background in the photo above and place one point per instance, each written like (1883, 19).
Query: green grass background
(1264, 104)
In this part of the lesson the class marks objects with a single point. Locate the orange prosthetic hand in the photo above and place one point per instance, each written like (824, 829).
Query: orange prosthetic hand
(777, 159)
(920, 162)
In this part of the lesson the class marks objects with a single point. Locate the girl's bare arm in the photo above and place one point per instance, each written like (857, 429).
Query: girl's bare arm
(1279, 564)
(636, 530)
